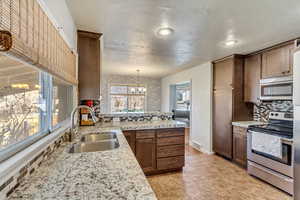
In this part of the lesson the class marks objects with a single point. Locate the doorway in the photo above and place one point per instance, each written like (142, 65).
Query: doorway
(180, 105)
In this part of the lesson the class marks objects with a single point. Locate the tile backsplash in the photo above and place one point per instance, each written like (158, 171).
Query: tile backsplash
(147, 116)
(262, 109)
(9, 186)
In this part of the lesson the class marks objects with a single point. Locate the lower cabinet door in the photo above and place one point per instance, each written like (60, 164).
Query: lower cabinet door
(130, 137)
(146, 153)
(240, 149)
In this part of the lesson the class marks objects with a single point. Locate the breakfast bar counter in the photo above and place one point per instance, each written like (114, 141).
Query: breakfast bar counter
(111, 174)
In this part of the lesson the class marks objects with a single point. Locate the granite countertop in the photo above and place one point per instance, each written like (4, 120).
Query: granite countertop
(134, 114)
(113, 174)
(246, 124)
(140, 125)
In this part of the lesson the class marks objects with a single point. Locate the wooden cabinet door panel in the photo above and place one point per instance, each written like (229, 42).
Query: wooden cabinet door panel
(223, 74)
(130, 137)
(170, 140)
(170, 163)
(290, 49)
(277, 62)
(240, 149)
(146, 153)
(170, 132)
(222, 128)
(145, 134)
(168, 151)
(252, 78)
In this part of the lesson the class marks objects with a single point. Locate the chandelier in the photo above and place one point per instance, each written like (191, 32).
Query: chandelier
(138, 88)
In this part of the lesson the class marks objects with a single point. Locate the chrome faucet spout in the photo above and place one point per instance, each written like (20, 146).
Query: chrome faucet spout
(91, 110)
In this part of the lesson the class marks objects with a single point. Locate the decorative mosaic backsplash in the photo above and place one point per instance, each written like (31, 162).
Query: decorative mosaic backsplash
(13, 182)
(148, 116)
(262, 109)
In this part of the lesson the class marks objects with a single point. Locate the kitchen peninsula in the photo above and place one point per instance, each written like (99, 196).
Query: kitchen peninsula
(112, 174)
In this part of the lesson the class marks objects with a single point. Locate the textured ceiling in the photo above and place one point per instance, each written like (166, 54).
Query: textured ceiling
(201, 28)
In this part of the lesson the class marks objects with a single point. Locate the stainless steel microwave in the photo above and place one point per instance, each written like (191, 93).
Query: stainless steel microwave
(280, 88)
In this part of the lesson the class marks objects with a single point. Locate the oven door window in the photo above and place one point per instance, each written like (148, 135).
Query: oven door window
(277, 90)
(286, 155)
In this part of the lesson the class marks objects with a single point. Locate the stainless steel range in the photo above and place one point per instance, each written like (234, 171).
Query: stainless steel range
(270, 151)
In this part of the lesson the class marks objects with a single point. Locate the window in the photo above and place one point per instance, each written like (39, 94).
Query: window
(27, 96)
(127, 98)
(62, 104)
(21, 104)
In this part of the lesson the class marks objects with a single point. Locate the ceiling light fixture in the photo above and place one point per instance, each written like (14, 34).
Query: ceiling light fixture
(230, 43)
(165, 31)
(138, 88)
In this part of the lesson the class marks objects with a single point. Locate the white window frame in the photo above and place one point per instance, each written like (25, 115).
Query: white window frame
(110, 94)
(46, 81)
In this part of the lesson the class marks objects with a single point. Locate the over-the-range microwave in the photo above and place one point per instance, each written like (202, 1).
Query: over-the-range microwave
(279, 88)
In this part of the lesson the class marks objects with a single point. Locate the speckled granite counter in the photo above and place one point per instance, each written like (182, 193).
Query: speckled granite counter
(246, 124)
(113, 174)
(143, 125)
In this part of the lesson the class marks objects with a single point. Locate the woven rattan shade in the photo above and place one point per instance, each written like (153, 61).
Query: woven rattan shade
(35, 39)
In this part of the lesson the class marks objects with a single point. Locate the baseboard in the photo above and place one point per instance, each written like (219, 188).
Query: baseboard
(199, 147)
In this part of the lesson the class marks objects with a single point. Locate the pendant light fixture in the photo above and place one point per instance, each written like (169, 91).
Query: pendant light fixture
(138, 89)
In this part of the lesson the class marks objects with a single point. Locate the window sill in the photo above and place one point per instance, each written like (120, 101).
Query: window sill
(11, 166)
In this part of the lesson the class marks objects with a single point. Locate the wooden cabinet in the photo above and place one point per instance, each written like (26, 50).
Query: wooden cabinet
(170, 149)
(222, 130)
(145, 150)
(130, 137)
(252, 76)
(240, 146)
(223, 74)
(170, 163)
(228, 102)
(88, 65)
(273, 62)
(158, 150)
(278, 61)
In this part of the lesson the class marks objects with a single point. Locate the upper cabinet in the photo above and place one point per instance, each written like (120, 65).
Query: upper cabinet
(278, 61)
(252, 74)
(272, 62)
(89, 65)
(223, 71)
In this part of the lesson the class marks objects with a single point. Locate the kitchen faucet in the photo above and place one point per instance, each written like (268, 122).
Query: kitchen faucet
(92, 112)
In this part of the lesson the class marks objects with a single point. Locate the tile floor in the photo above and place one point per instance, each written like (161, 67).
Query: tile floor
(209, 177)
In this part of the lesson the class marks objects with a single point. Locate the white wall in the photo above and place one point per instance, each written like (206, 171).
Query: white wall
(60, 15)
(201, 119)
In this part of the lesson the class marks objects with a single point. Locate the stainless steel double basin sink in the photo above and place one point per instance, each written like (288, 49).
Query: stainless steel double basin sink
(93, 142)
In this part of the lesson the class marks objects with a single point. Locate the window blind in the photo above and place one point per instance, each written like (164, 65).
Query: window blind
(35, 39)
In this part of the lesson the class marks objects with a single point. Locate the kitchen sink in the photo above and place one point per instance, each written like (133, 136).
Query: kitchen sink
(94, 137)
(94, 146)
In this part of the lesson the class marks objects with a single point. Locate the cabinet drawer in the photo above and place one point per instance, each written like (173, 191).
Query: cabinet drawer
(170, 132)
(145, 134)
(167, 151)
(239, 130)
(170, 163)
(170, 141)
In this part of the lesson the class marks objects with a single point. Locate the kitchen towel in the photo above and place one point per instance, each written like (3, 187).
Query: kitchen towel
(266, 143)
